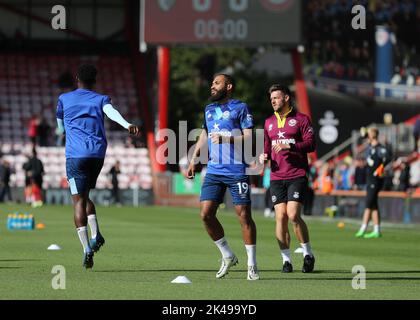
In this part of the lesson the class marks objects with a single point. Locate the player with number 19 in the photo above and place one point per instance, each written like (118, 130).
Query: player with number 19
(227, 124)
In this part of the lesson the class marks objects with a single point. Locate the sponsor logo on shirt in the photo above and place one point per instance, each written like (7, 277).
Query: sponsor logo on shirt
(223, 133)
(281, 135)
(292, 122)
(226, 115)
(283, 141)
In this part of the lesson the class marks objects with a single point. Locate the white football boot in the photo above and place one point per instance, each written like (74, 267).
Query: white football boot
(253, 273)
(227, 263)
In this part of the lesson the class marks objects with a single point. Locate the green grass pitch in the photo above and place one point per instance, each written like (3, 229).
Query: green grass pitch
(148, 247)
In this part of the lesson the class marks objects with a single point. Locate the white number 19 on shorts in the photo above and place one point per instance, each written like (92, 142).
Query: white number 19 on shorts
(243, 187)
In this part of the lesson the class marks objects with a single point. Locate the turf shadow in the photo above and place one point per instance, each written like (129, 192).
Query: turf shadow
(18, 260)
(344, 278)
(159, 270)
(395, 271)
(298, 270)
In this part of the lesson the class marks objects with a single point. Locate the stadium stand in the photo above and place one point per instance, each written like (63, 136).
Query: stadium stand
(135, 165)
(29, 84)
(336, 50)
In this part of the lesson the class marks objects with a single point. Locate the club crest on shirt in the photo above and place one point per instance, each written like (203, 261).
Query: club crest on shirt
(226, 115)
(292, 122)
(270, 127)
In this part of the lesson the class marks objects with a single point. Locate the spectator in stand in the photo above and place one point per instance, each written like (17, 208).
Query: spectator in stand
(343, 177)
(35, 170)
(415, 169)
(310, 192)
(360, 174)
(404, 181)
(416, 133)
(328, 29)
(5, 173)
(33, 129)
(135, 142)
(326, 178)
(28, 185)
(43, 132)
(114, 172)
(129, 142)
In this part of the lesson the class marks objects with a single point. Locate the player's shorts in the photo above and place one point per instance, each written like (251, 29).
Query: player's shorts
(82, 173)
(283, 191)
(214, 188)
(372, 190)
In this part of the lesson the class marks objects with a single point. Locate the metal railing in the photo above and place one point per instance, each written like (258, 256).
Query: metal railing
(398, 136)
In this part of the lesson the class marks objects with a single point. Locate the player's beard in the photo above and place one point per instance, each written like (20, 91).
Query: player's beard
(219, 95)
(280, 108)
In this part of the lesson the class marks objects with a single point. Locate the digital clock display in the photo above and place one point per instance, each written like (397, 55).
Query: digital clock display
(220, 21)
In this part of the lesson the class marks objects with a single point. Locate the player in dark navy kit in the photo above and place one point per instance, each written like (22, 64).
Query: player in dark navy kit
(377, 157)
(288, 137)
(80, 114)
(228, 122)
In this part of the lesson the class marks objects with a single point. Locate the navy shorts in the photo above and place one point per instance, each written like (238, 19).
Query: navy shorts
(214, 188)
(82, 173)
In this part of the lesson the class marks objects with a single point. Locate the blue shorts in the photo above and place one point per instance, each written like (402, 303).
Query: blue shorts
(214, 188)
(82, 173)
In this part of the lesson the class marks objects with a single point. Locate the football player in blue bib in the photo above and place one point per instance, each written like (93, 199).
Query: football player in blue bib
(80, 115)
(228, 122)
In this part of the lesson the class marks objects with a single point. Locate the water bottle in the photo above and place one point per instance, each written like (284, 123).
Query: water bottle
(14, 221)
(20, 221)
(9, 221)
(31, 222)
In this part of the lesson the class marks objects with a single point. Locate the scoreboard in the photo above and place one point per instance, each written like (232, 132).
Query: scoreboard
(242, 22)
